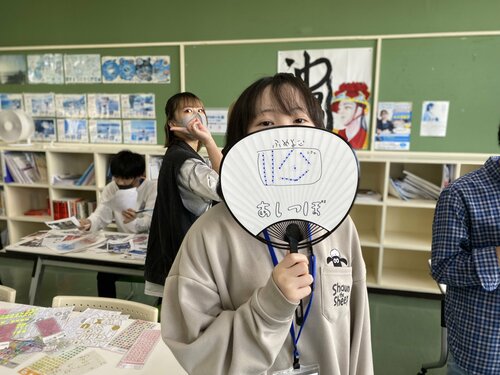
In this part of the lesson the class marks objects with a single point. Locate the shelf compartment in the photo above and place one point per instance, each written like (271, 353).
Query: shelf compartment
(428, 171)
(372, 176)
(19, 229)
(371, 256)
(368, 220)
(20, 199)
(68, 163)
(407, 271)
(467, 168)
(408, 228)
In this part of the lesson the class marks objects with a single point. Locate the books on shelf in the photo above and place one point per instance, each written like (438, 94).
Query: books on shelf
(67, 207)
(85, 179)
(412, 186)
(25, 167)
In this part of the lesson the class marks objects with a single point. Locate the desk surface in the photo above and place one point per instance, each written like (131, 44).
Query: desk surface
(161, 359)
(87, 254)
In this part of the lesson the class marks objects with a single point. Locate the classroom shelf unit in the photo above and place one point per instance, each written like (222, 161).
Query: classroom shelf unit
(395, 234)
(59, 160)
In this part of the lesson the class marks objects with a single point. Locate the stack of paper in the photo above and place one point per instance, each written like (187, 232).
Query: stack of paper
(413, 187)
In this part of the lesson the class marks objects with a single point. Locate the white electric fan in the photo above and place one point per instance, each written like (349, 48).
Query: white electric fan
(15, 126)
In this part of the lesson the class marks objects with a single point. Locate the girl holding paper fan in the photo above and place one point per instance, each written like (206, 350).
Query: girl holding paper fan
(230, 300)
(187, 185)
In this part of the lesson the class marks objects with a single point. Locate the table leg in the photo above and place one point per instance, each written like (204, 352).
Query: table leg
(35, 279)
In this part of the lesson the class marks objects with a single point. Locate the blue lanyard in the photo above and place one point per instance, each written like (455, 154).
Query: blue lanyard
(312, 270)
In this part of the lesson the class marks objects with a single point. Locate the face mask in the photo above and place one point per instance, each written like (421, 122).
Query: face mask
(186, 120)
(125, 187)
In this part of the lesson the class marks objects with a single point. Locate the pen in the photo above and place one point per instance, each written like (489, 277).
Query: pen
(143, 210)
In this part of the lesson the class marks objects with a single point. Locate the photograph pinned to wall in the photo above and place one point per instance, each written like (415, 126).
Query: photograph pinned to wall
(72, 130)
(135, 69)
(393, 126)
(104, 105)
(41, 105)
(11, 101)
(13, 69)
(105, 131)
(139, 131)
(71, 105)
(47, 68)
(341, 80)
(434, 118)
(45, 130)
(138, 105)
(217, 120)
(82, 68)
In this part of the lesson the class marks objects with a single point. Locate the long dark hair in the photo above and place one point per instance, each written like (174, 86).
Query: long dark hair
(176, 101)
(286, 90)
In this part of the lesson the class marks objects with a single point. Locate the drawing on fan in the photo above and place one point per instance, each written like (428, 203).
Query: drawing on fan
(289, 166)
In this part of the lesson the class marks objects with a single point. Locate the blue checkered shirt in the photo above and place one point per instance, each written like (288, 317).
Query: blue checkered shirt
(465, 232)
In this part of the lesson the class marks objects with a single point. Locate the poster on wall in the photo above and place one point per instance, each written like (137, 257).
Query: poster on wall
(82, 68)
(72, 130)
(103, 105)
(393, 126)
(11, 101)
(45, 130)
(135, 69)
(71, 105)
(138, 105)
(217, 120)
(13, 69)
(341, 80)
(46, 68)
(139, 131)
(42, 104)
(105, 131)
(434, 118)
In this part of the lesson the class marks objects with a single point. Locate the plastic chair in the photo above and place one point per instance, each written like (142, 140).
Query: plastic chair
(136, 310)
(7, 294)
(443, 355)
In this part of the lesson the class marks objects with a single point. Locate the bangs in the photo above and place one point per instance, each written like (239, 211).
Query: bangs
(189, 102)
(288, 99)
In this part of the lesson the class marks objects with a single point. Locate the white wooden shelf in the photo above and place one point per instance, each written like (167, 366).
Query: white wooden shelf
(61, 159)
(396, 235)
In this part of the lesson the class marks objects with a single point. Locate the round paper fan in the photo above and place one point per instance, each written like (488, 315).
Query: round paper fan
(290, 174)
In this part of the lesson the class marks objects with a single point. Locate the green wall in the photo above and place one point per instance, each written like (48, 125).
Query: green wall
(462, 70)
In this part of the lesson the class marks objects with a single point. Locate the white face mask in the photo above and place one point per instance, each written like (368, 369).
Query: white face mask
(186, 120)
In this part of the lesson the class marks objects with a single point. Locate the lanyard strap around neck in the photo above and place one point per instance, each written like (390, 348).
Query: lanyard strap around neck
(312, 270)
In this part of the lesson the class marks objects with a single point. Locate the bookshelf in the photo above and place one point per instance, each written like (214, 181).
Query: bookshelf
(395, 234)
(67, 160)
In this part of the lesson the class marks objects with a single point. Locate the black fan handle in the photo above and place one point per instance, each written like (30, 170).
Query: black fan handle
(293, 235)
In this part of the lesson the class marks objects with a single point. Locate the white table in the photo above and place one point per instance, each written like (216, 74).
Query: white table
(86, 260)
(161, 360)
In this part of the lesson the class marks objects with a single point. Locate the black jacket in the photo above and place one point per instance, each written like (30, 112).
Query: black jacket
(171, 220)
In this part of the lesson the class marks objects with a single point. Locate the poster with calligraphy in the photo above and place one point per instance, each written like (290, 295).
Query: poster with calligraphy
(341, 79)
